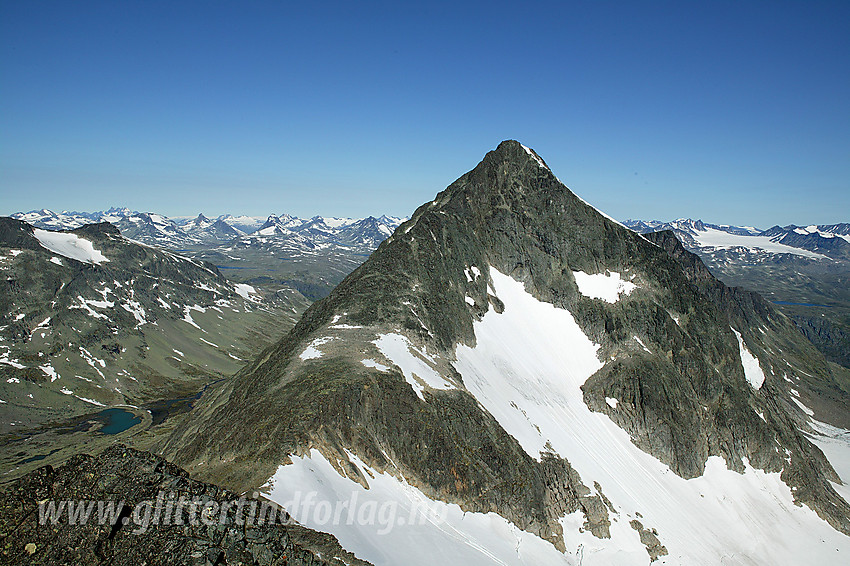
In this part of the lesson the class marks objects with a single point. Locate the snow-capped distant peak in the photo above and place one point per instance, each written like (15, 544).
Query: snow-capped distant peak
(332, 222)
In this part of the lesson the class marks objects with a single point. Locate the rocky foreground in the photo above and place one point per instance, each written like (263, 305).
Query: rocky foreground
(144, 492)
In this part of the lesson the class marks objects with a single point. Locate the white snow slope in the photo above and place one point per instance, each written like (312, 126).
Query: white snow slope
(69, 245)
(752, 368)
(394, 523)
(527, 369)
(605, 286)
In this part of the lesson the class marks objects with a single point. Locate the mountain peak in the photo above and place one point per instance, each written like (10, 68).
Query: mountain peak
(513, 150)
(541, 328)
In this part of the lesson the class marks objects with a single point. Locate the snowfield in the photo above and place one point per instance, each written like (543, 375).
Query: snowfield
(394, 523)
(724, 240)
(69, 245)
(606, 286)
(412, 363)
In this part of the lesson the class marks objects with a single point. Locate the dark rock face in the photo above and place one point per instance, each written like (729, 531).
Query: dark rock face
(98, 230)
(683, 404)
(134, 480)
(17, 234)
(829, 338)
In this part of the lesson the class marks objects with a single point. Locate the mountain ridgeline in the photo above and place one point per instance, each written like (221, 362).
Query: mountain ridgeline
(666, 366)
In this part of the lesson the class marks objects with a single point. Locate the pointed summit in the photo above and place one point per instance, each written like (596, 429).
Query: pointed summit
(510, 149)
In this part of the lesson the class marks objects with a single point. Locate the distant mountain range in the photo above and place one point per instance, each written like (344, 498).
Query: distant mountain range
(814, 242)
(363, 234)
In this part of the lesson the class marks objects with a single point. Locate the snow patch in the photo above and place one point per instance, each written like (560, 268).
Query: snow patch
(752, 368)
(534, 156)
(312, 352)
(606, 286)
(415, 365)
(373, 364)
(642, 345)
(187, 314)
(803, 408)
(69, 245)
(87, 304)
(137, 310)
(50, 372)
(4, 359)
(245, 291)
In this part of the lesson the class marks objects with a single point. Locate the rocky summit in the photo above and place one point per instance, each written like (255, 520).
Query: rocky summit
(561, 389)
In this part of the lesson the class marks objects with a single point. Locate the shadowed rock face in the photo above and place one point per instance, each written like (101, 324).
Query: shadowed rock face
(134, 478)
(684, 401)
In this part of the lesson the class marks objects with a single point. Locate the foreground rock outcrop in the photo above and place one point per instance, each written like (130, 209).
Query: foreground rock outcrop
(41, 521)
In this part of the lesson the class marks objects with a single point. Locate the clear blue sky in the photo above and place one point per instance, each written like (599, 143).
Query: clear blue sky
(734, 112)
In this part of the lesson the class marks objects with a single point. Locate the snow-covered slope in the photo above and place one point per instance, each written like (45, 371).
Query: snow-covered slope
(392, 522)
(69, 245)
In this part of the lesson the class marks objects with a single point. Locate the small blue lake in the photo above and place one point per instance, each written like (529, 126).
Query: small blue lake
(800, 304)
(116, 420)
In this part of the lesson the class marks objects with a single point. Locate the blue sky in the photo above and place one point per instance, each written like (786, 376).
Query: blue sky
(735, 112)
